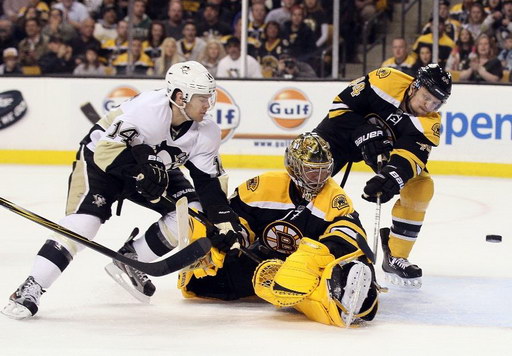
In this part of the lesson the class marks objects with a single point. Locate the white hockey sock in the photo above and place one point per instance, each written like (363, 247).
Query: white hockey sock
(144, 253)
(44, 272)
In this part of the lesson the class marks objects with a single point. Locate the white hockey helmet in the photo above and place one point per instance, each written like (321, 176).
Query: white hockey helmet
(190, 78)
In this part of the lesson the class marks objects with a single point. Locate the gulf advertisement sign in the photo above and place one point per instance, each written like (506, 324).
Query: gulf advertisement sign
(226, 113)
(289, 108)
(117, 96)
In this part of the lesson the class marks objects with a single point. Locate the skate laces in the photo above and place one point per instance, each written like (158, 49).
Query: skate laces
(401, 262)
(141, 276)
(31, 290)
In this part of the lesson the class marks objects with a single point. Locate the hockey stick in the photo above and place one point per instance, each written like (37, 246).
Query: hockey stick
(376, 229)
(173, 263)
(210, 226)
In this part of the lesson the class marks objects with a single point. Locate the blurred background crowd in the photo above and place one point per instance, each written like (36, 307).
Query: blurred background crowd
(286, 38)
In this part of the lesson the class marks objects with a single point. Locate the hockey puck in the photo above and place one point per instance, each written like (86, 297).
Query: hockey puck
(493, 238)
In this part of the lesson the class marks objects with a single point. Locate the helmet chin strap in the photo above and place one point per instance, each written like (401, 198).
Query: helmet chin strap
(181, 109)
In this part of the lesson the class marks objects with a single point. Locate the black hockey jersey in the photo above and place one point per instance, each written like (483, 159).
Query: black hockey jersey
(275, 216)
(376, 98)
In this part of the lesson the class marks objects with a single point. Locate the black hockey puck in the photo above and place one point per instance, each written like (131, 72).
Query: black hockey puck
(493, 238)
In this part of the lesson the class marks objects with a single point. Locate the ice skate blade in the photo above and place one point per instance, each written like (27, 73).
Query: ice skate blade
(358, 283)
(120, 277)
(406, 283)
(16, 311)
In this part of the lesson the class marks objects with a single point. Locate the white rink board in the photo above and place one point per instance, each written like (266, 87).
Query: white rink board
(477, 121)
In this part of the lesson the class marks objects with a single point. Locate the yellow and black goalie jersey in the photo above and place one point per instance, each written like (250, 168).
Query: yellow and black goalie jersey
(376, 98)
(275, 215)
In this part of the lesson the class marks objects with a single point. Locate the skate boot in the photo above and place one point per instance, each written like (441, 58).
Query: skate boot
(134, 281)
(351, 287)
(23, 303)
(398, 270)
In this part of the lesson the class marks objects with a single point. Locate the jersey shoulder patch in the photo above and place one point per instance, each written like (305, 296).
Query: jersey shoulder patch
(390, 84)
(269, 186)
(333, 201)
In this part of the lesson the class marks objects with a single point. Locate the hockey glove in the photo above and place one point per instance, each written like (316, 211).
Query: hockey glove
(228, 225)
(150, 173)
(387, 184)
(372, 141)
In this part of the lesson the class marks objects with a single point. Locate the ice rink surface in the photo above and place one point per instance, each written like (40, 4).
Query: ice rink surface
(463, 307)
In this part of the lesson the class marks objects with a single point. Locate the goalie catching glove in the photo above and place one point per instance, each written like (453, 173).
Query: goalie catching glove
(150, 173)
(372, 141)
(229, 229)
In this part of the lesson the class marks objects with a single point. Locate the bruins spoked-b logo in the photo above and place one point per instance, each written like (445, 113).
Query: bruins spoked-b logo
(282, 237)
(253, 183)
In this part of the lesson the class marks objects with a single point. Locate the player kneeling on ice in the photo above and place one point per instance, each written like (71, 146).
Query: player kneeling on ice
(304, 229)
(135, 152)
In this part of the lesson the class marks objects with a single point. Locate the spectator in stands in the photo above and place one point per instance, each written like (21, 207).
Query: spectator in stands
(106, 28)
(155, 38)
(12, 8)
(211, 56)
(141, 21)
(502, 26)
(6, 38)
(424, 58)
(210, 25)
(281, 14)
(58, 58)
(483, 64)
(446, 44)
(169, 56)
(10, 64)
(256, 26)
(74, 12)
(57, 27)
(32, 47)
(40, 7)
(316, 19)
(190, 46)
(84, 40)
(402, 59)
(365, 9)
(252, 44)
(271, 49)
(290, 68)
(300, 37)
(191, 8)
(230, 65)
(505, 55)
(459, 58)
(476, 18)
(174, 25)
(141, 62)
(451, 26)
(156, 9)
(113, 48)
(91, 64)
(460, 11)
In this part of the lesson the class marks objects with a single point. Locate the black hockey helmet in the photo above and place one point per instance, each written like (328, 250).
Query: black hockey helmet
(436, 80)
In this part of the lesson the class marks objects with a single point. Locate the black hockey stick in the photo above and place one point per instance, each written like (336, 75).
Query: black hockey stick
(173, 263)
(211, 227)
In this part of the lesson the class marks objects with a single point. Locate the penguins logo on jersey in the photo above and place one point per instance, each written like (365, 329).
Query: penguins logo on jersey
(252, 184)
(185, 69)
(340, 202)
(282, 237)
(383, 73)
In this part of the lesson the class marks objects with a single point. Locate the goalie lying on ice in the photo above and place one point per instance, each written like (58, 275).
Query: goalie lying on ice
(303, 227)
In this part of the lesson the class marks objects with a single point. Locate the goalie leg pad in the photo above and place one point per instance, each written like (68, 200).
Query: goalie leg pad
(345, 296)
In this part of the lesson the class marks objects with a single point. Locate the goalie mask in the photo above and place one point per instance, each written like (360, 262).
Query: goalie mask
(190, 78)
(308, 161)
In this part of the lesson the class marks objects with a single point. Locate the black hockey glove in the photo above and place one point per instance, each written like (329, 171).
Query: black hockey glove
(150, 173)
(228, 225)
(388, 183)
(372, 141)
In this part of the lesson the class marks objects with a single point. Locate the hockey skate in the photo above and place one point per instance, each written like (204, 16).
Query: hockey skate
(349, 286)
(132, 280)
(23, 303)
(397, 270)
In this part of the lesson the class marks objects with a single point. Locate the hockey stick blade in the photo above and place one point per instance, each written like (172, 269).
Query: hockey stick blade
(173, 263)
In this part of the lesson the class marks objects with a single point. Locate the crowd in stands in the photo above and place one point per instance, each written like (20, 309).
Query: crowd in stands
(475, 42)
(91, 37)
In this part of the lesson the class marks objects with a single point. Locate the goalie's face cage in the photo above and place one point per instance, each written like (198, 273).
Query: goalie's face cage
(309, 163)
